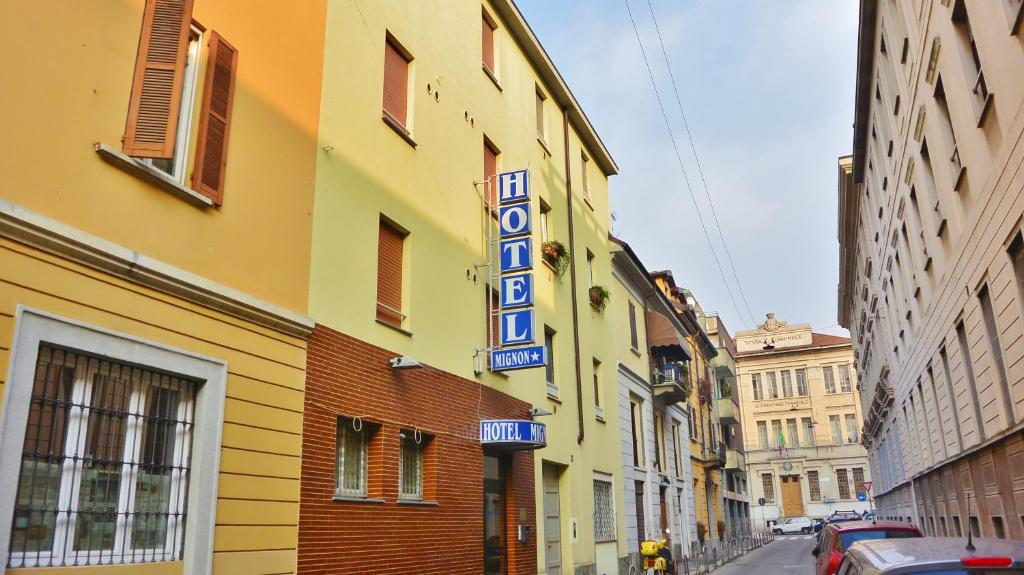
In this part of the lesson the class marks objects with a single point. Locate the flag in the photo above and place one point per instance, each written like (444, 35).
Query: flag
(782, 442)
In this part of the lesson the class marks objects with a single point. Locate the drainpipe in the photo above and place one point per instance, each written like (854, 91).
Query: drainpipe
(572, 279)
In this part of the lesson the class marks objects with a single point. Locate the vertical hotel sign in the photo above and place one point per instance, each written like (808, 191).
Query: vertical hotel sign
(517, 347)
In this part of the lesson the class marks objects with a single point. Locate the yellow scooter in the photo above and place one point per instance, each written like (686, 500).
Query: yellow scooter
(657, 557)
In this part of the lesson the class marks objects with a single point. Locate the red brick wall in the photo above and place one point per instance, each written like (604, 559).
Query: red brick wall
(351, 378)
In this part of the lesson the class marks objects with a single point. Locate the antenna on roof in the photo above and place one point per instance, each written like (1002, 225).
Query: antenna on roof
(970, 532)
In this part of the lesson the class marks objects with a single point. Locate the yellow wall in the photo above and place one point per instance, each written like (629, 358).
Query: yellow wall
(76, 86)
(429, 190)
(258, 492)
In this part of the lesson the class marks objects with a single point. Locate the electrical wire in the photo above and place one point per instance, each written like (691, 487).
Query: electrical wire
(679, 158)
(700, 170)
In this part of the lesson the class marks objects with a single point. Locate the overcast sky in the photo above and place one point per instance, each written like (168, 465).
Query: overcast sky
(767, 87)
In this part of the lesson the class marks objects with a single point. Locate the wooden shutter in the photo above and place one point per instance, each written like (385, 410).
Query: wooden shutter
(390, 247)
(491, 173)
(159, 75)
(396, 83)
(215, 119)
(487, 50)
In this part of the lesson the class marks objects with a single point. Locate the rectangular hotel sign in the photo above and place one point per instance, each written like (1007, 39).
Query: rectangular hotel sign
(517, 434)
(518, 358)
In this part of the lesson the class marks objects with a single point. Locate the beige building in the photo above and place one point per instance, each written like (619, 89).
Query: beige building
(932, 255)
(801, 422)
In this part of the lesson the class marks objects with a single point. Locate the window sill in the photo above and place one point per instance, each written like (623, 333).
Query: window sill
(544, 146)
(418, 503)
(394, 327)
(492, 77)
(151, 175)
(353, 499)
(635, 351)
(399, 129)
(553, 394)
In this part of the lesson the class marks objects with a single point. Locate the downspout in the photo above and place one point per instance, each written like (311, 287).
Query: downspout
(572, 279)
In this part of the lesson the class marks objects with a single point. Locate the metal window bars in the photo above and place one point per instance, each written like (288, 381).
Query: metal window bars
(105, 464)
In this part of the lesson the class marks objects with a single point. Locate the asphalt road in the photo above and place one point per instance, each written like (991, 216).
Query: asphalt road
(787, 555)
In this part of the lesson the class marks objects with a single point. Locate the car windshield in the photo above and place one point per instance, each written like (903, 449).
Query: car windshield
(854, 536)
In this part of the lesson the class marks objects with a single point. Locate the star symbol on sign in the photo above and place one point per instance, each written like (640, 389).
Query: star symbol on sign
(535, 356)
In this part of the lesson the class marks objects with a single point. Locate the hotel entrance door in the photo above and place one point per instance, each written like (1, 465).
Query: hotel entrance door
(495, 531)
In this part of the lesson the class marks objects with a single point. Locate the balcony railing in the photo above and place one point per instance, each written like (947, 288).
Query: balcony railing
(671, 383)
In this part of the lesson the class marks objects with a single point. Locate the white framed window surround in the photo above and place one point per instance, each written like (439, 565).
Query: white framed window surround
(160, 459)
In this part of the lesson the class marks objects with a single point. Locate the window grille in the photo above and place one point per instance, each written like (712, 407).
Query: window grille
(604, 511)
(858, 479)
(769, 489)
(411, 468)
(814, 485)
(105, 464)
(352, 440)
(844, 483)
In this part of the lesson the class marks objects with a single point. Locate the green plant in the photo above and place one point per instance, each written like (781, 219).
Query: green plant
(702, 531)
(555, 254)
(725, 389)
(599, 297)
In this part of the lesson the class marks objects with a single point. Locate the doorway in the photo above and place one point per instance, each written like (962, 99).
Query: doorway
(495, 523)
(552, 521)
(792, 496)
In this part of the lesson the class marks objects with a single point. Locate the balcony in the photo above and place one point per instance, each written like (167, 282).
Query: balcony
(714, 456)
(735, 460)
(728, 411)
(670, 384)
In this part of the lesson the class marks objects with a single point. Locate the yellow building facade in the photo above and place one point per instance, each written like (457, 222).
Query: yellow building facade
(153, 311)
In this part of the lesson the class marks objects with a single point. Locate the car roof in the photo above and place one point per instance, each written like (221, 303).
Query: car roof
(883, 554)
(873, 525)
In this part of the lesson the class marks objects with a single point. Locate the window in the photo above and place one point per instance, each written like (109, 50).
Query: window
(996, 353)
(549, 368)
(808, 425)
(487, 43)
(755, 382)
(968, 365)
(174, 166)
(604, 511)
(396, 84)
(762, 434)
(768, 487)
(858, 480)
(837, 432)
(545, 212)
(814, 485)
(353, 442)
(590, 269)
(659, 443)
(791, 430)
(599, 411)
(636, 416)
(787, 384)
(801, 382)
(830, 382)
(633, 342)
(845, 385)
(678, 452)
(948, 133)
(843, 481)
(998, 527)
(584, 175)
(777, 432)
(390, 263)
(491, 154)
(773, 388)
(410, 466)
(541, 125)
(105, 464)
(851, 427)
(971, 59)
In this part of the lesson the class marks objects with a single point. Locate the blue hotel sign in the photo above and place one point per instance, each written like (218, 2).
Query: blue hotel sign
(516, 434)
(515, 262)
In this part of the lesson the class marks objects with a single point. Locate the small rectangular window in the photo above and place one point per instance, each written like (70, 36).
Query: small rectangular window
(858, 479)
(830, 382)
(396, 82)
(677, 449)
(604, 511)
(851, 428)
(633, 337)
(491, 154)
(843, 483)
(837, 432)
(773, 388)
(597, 389)
(541, 124)
(584, 175)
(787, 384)
(590, 268)
(755, 382)
(791, 430)
(636, 415)
(768, 487)
(487, 43)
(549, 368)
(777, 437)
(390, 263)
(845, 384)
(410, 465)
(352, 447)
(808, 425)
(544, 223)
(814, 485)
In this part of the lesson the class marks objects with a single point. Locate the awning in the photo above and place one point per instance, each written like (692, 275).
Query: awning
(661, 332)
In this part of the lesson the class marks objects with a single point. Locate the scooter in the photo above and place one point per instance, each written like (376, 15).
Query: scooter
(658, 557)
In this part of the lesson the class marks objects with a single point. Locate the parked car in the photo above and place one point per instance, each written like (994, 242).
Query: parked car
(818, 524)
(837, 517)
(934, 555)
(794, 525)
(836, 538)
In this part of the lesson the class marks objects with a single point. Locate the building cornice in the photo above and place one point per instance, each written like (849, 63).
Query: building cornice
(865, 65)
(52, 236)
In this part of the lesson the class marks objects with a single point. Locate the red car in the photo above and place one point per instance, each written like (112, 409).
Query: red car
(836, 538)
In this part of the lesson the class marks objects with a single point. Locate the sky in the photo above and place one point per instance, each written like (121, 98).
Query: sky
(767, 88)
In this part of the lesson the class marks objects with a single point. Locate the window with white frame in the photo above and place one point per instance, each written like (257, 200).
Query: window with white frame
(176, 167)
(801, 382)
(830, 381)
(762, 434)
(773, 388)
(410, 467)
(353, 442)
(105, 464)
(845, 384)
(604, 511)
(755, 383)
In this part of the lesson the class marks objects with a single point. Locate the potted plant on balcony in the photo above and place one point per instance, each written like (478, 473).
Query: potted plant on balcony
(554, 253)
(599, 297)
(725, 389)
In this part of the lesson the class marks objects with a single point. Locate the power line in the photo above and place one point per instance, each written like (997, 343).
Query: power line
(700, 170)
(679, 158)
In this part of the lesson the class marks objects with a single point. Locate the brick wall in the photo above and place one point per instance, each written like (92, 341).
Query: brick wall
(351, 378)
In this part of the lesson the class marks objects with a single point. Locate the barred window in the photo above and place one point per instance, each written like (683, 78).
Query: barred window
(844, 483)
(105, 464)
(814, 485)
(858, 479)
(353, 440)
(411, 465)
(604, 511)
(768, 487)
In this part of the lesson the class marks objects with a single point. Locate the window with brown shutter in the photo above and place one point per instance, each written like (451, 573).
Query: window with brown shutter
(159, 73)
(390, 250)
(396, 82)
(487, 49)
(491, 171)
(541, 132)
(215, 119)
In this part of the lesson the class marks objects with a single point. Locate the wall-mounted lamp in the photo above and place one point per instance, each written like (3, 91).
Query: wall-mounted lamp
(403, 362)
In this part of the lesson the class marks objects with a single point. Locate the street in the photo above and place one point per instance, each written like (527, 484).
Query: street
(788, 554)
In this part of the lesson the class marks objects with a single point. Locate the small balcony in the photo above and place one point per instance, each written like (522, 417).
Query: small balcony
(715, 456)
(735, 460)
(728, 411)
(670, 383)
